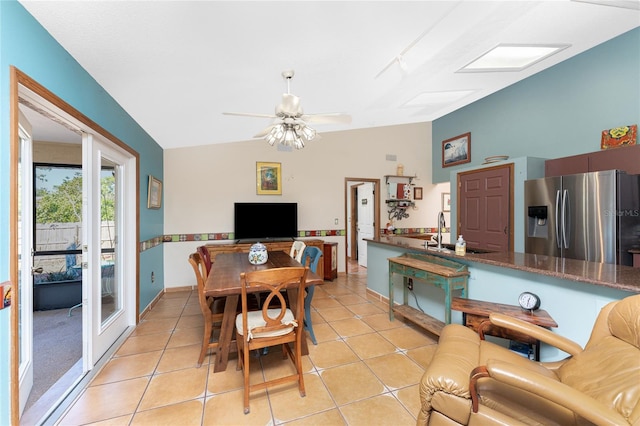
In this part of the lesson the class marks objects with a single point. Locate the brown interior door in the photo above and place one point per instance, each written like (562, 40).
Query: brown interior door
(485, 216)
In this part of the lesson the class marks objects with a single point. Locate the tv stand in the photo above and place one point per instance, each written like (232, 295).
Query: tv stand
(244, 247)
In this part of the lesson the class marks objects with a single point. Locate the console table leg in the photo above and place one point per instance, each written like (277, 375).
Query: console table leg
(390, 295)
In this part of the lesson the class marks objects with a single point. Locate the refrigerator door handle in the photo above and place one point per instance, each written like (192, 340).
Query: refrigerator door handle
(565, 218)
(558, 242)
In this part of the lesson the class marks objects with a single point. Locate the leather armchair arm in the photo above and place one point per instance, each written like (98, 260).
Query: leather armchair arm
(537, 332)
(548, 388)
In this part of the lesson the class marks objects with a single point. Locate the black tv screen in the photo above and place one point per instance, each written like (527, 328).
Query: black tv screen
(265, 221)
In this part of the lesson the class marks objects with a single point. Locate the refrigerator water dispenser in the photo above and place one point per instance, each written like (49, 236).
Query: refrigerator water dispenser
(537, 222)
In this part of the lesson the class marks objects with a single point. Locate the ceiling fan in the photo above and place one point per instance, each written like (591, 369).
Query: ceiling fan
(289, 125)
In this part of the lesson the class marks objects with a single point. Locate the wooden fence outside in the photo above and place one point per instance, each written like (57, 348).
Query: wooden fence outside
(66, 236)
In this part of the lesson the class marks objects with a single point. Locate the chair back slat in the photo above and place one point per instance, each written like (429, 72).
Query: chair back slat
(200, 272)
(313, 254)
(297, 248)
(274, 282)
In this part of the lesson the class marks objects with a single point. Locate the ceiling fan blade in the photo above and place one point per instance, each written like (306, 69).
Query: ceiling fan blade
(264, 132)
(248, 114)
(336, 117)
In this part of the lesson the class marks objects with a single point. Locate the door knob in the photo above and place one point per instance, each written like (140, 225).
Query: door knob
(505, 230)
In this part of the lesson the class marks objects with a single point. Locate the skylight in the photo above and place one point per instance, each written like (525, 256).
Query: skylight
(512, 57)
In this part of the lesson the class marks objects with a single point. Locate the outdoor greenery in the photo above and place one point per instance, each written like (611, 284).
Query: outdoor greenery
(63, 204)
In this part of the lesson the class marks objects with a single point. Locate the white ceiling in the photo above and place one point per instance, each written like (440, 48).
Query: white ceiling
(175, 66)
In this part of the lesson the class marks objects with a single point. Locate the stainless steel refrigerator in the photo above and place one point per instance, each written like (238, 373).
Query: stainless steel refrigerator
(590, 216)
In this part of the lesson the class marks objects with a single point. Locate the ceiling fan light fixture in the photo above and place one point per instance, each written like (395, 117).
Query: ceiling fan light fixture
(288, 134)
(307, 132)
(275, 135)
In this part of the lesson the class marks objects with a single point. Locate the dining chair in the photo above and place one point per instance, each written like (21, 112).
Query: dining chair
(271, 325)
(313, 255)
(297, 248)
(212, 309)
(205, 256)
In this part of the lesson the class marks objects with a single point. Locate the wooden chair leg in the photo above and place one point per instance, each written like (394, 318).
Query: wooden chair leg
(298, 362)
(205, 341)
(246, 377)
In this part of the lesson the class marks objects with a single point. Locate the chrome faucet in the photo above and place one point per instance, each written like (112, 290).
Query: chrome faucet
(441, 224)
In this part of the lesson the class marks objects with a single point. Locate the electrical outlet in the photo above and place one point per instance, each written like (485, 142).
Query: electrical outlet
(153, 277)
(410, 284)
(335, 221)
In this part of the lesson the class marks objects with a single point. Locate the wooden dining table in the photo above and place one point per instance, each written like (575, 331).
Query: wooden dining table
(224, 281)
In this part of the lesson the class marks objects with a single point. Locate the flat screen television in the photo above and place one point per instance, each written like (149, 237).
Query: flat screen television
(265, 221)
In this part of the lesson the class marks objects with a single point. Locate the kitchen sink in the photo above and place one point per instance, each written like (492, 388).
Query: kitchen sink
(451, 248)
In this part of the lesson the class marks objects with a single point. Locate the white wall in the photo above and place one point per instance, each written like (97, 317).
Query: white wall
(202, 183)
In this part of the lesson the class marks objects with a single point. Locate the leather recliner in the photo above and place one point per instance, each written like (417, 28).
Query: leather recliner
(475, 382)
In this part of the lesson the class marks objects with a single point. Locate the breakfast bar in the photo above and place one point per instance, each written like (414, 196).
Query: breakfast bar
(571, 291)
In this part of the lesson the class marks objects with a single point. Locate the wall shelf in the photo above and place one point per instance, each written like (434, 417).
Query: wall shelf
(397, 207)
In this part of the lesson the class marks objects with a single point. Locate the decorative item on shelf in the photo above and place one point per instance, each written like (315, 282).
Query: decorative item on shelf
(619, 136)
(400, 170)
(390, 227)
(495, 159)
(456, 150)
(407, 192)
(258, 254)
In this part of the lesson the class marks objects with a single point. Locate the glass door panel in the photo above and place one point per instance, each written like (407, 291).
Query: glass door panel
(110, 301)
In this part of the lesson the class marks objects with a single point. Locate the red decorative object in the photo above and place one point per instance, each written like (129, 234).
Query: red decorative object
(619, 136)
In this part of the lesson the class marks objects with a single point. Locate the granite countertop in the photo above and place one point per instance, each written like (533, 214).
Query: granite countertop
(603, 274)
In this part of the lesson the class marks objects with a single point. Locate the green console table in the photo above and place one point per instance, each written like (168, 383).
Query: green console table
(443, 273)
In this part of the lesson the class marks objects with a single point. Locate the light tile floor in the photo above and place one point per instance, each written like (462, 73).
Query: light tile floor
(365, 370)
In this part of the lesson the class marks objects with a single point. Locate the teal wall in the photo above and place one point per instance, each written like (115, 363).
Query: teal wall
(558, 112)
(25, 44)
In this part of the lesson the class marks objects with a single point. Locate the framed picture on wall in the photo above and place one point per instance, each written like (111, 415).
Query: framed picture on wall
(417, 193)
(446, 202)
(154, 193)
(268, 178)
(456, 150)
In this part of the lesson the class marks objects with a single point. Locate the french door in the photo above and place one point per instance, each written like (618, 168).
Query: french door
(107, 173)
(107, 238)
(25, 288)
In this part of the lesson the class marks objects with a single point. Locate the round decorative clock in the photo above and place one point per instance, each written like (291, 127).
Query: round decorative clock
(529, 301)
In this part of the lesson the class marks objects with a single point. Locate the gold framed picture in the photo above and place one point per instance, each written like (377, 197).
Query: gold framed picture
(154, 193)
(268, 178)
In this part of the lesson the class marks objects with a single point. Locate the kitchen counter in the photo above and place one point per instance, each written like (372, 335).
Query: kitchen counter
(618, 277)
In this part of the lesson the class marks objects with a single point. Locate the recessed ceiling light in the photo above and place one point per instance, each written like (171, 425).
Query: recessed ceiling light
(430, 98)
(512, 57)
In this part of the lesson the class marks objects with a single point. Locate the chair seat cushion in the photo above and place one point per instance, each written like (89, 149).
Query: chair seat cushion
(255, 320)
